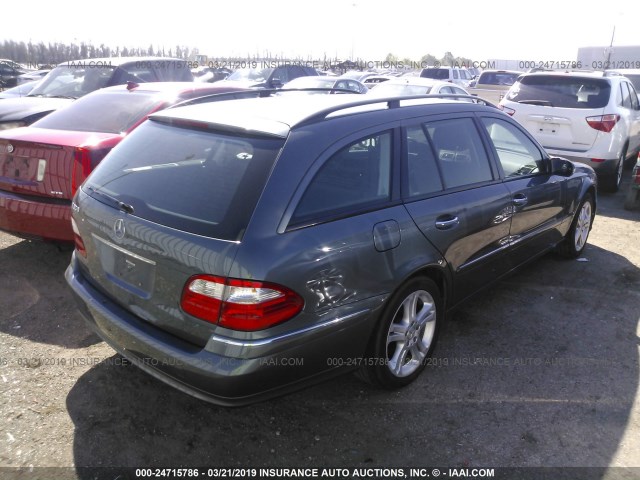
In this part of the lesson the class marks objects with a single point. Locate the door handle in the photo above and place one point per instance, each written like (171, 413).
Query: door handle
(450, 222)
(519, 200)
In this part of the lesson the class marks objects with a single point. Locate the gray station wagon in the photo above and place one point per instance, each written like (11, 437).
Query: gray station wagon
(241, 249)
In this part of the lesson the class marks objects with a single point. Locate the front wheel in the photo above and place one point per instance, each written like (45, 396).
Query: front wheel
(576, 238)
(405, 336)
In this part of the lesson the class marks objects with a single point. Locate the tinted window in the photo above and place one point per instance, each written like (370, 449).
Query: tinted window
(498, 78)
(437, 73)
(626, 96)
(517, 154)
(455, 74)
(200, 182)
(561, 91)
(357, 176)
(422, 171)
(458, 147)
(634, 97)
(101, 112)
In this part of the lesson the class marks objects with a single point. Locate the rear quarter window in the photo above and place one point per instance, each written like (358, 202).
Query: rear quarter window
(201, 182)
(355, 178)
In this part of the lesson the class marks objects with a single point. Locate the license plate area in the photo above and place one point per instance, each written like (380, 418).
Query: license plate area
(22, 169)
(126, 269)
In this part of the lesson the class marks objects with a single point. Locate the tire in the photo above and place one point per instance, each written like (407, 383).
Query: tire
(632, 199)
(612, 182)
(576, 239)
(405, 336)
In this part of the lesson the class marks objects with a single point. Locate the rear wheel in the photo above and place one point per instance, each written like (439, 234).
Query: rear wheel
(632, 198)
(405, 336)
(612, 182)
(576, 238)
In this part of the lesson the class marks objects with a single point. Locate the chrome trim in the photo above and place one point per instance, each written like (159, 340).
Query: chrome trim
(127, 252)
(286, 336)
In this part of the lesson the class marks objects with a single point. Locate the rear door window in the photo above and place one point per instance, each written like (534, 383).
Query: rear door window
(356, 178)
(459, 150)
(202, 182)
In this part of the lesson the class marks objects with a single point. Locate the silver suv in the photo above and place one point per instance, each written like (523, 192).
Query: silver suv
(593, 118)
(240, 249)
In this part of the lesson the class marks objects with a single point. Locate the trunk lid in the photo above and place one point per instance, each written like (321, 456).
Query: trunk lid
(554, 108)
(173, 201)
(40, 162)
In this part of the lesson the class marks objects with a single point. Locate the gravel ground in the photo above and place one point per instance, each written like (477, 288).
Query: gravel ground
(542, 370)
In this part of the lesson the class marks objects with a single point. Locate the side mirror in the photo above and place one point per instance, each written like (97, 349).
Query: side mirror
(561, 166)
(276, 83)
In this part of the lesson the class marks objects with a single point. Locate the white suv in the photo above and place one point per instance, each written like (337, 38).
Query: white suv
(593, 118)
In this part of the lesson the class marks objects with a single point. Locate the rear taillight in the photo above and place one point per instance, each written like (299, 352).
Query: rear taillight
(244, 305)
(77, 239)
(507, 110)
(604, 123)
(81, 168)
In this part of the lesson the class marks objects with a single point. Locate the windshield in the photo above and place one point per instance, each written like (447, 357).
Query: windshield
(251, 74)
(114, 112)
(196, 181)
(561, 91)
(73, 81)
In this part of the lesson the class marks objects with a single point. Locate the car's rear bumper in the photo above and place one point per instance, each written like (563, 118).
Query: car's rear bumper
(602, 167)
(234, 379)
(32, 217)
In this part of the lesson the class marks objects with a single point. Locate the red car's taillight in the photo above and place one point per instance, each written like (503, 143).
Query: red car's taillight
(77, 239)
(81, 168)
(604, 123)
(245, 305)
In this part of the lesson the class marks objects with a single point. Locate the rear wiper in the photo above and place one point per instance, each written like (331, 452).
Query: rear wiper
(542, 103)
(125, 207)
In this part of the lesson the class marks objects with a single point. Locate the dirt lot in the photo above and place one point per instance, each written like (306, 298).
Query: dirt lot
(542, 370)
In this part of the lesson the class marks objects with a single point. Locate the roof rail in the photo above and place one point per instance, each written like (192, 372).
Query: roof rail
(255, 93)
(391, 103)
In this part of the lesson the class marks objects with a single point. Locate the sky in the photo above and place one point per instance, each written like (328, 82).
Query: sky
(533, 30)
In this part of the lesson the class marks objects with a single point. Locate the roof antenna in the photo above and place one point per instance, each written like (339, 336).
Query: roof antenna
(610, 48)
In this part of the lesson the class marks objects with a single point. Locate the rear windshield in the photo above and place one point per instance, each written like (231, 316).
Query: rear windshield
(74, 80)
(197, 181)
(102, 112)
(561, 91)
(498, 78)
(437, 73)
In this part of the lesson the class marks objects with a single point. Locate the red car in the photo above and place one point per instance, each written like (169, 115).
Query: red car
(42, 166)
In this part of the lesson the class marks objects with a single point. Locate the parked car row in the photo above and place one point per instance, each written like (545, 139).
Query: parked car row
(218, 239)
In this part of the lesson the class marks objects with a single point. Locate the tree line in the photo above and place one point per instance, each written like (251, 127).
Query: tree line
(53, 53)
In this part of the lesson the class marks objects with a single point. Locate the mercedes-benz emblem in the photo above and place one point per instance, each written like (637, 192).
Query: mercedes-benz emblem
(9, 148)
(118, 229)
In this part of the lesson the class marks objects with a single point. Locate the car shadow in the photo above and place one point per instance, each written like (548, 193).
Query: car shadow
(32, 286)
(540, 370)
